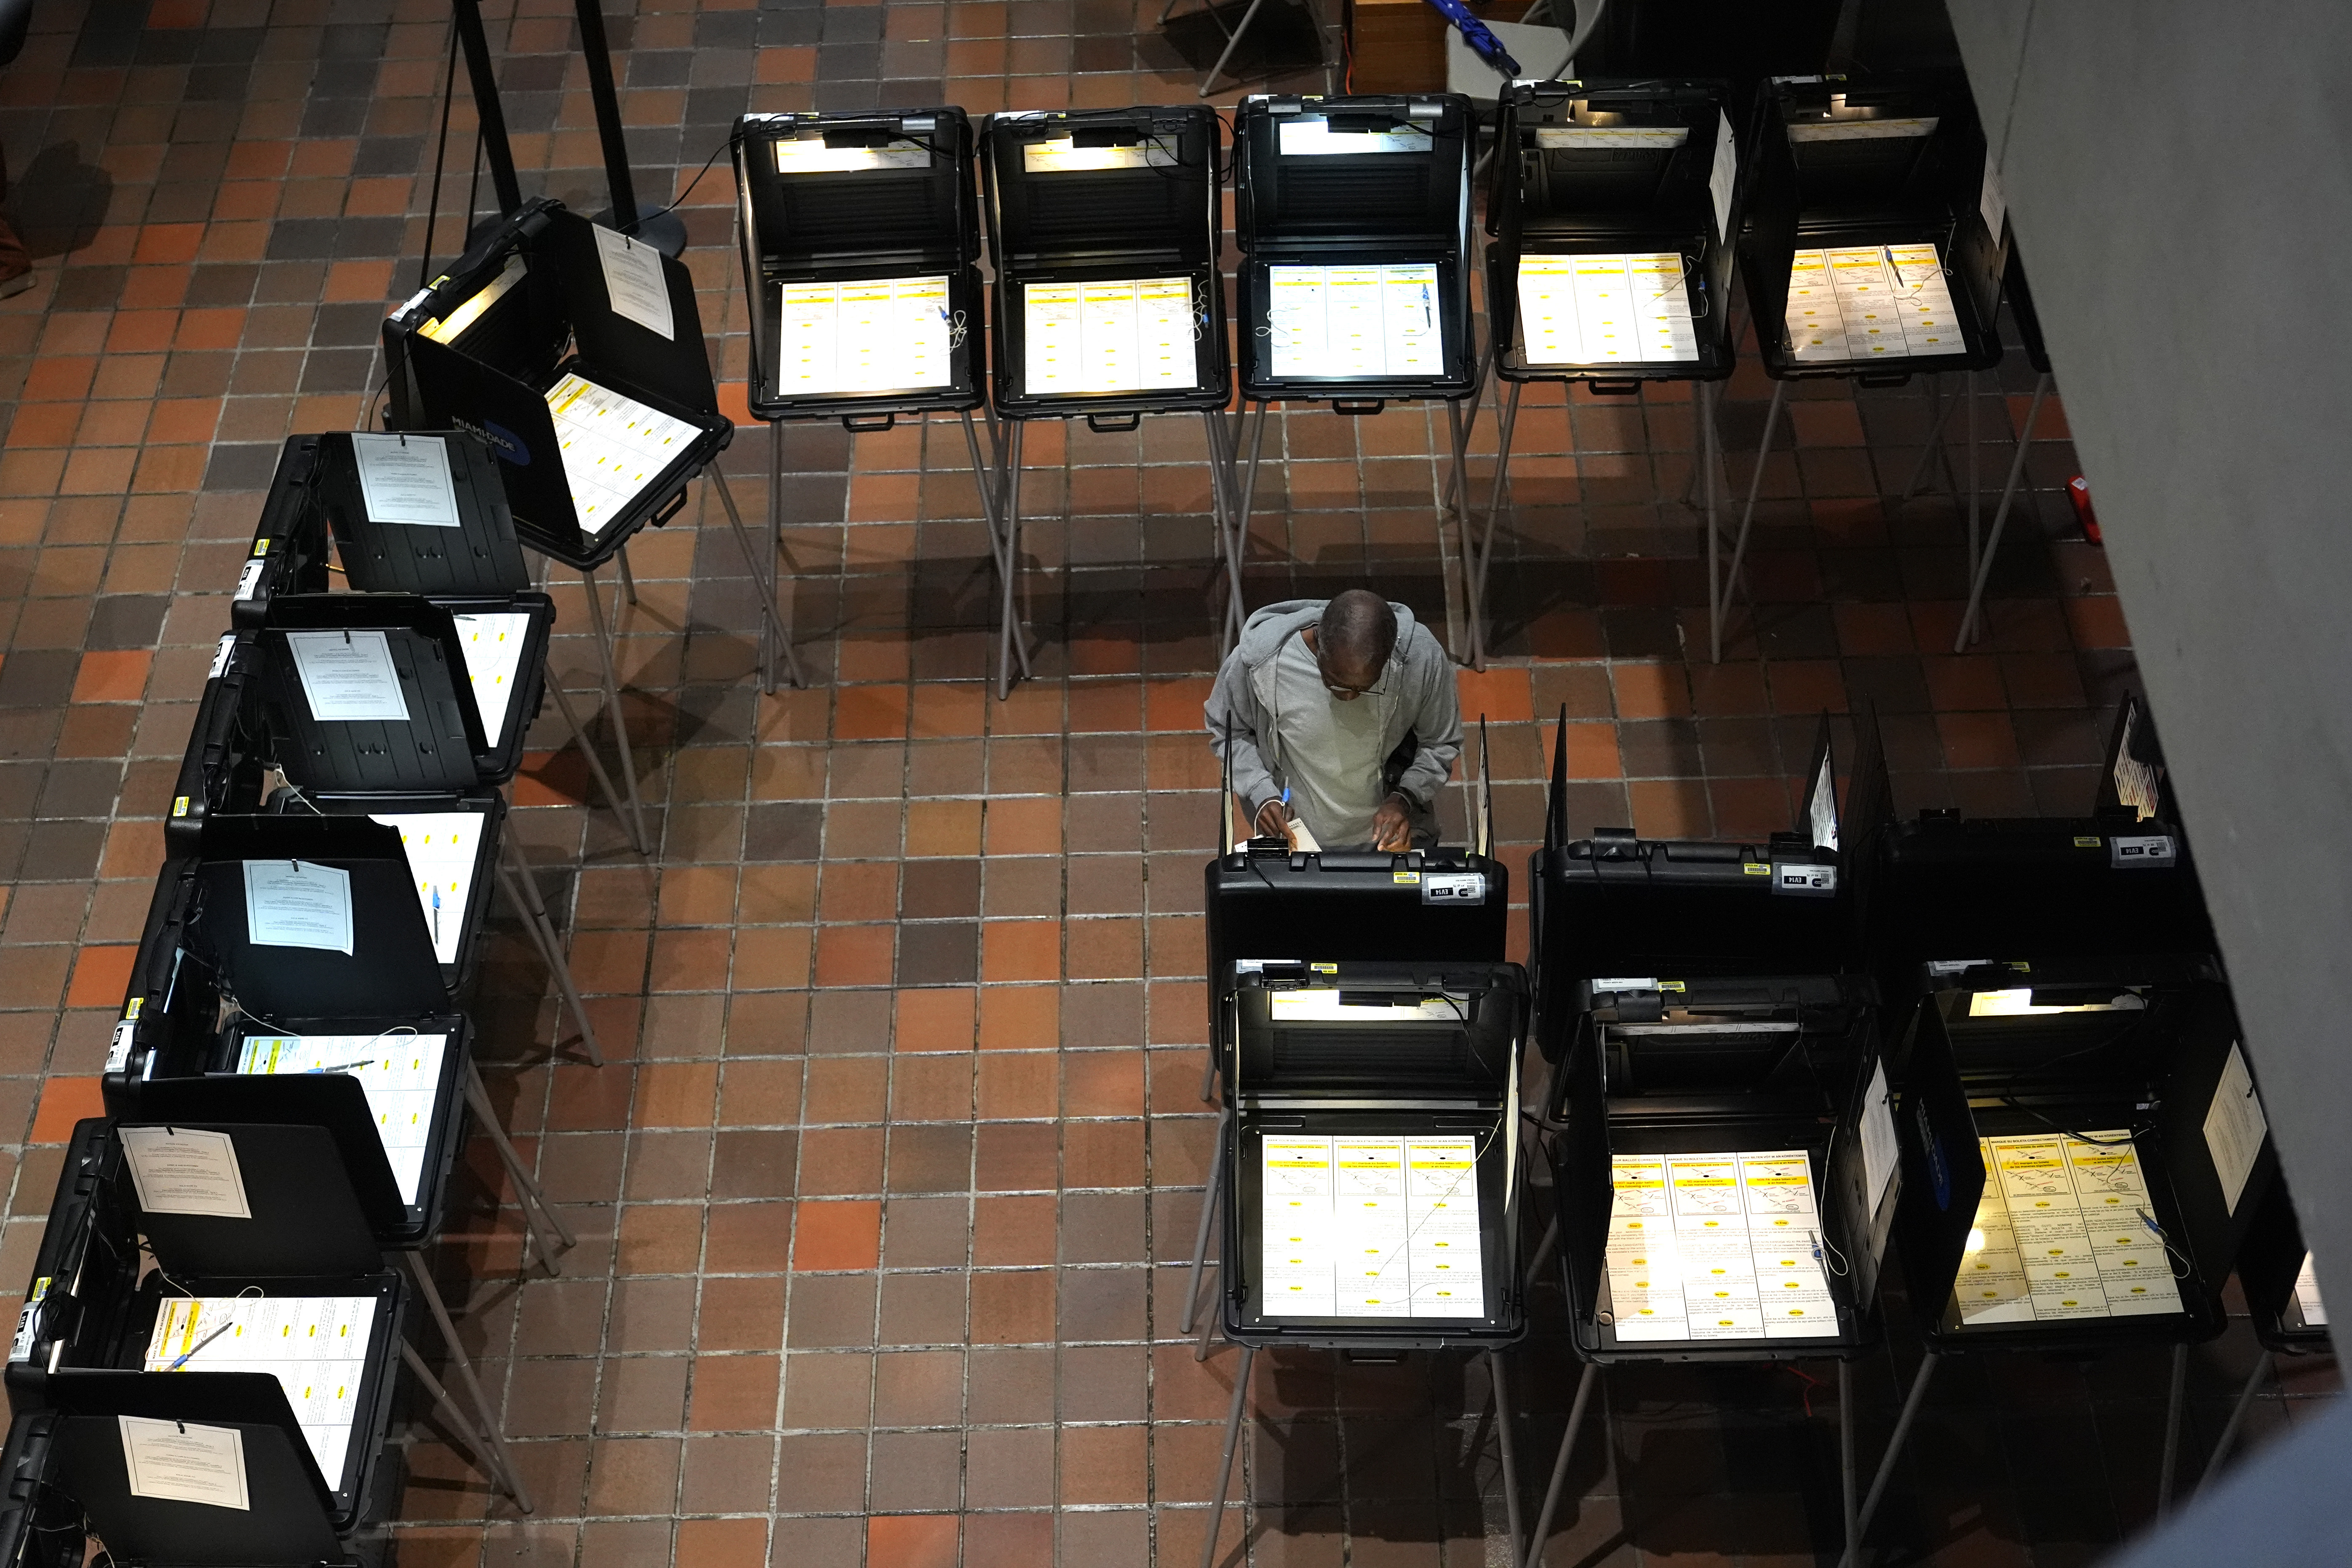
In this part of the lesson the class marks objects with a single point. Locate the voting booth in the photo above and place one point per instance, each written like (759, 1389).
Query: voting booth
(1717, 1120)
(1871, 243)
(1103, 226)
(1353, 220)
(1612, 218)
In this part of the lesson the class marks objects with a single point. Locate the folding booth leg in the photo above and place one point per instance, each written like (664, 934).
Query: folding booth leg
(2255, 1381)
(1999, 518)
(1478, 400)
(1543, 1253)
(1233, 42)
(1506, 1453)
(1474, 567)
(1970, 392)
(1709, 475)
(613, 701)
(1935, 446)
(1237, 548)
(493, 1440)
(776, 490)
(761, 579)
(1860, 1525)
(1559, 1465)
(1845, 1450)
(491, 1459)
(983, 477)
(1208, 1213)
(1011, 643)
(629, 825)
(1455, 500)
(628, 578)
(2172, 1428)
(529, 1197)
(1225, 1462)
(516, 878)
(1748, 515)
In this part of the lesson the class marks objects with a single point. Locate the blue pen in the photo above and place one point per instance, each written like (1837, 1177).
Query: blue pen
(437, 917)
(190, 1354)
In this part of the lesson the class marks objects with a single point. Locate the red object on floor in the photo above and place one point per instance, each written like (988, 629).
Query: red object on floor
(2080, 494)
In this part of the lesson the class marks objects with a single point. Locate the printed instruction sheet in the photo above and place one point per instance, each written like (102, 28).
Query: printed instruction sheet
(1130, 334)
(1605, 309)
(2066, 1229)
(316, 1346)
(2307, 1296)
(1370, 1227)
(612, 446)
(443, 847)
(1373, 322)
(1717, 1246)
(1872, 301)
(399, 1071)
(884, 335)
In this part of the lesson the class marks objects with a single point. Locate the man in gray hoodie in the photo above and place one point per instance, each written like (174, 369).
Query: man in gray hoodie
(1342, 712)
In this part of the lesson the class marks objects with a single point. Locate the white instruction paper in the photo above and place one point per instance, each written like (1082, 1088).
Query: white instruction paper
(613, 446)
(1370, 1227)
(1062, 155)
(1121, 335)
(1375, 322)
(2235, 1127)
(493, 644)
(1717, 1246)
(184, 1462)
(1878, 1149)
(185, 1170)
(406, 479)
(634, 281)
(882, 334)
(315, 1346)
(810, 155)
(297, 903)
(1872, 301)
(1722, 177)
(1296, 138)
(444, 846)
(2064, 1230)
(2307, 1296)
(348, 677)
(400, 1072)
(1860, 129)
(1605, 309)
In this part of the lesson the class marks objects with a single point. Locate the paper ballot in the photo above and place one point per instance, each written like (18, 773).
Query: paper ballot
(348, 677)
(2064, 1230)
(297, 903)
(1367, 321)
(399, 1072)
(185, 1170)
(316, 1346)
(185, 1461)
(1717, 1246)
(1605, 309)
(613, 447)
(634, 281)
(406, 479)
(444, 846)
(1125, 335)
(493, 649)
(1370, 1227)
(1877, 302)
(880, 335)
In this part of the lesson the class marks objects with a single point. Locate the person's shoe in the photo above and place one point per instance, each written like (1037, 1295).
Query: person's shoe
(10, 287)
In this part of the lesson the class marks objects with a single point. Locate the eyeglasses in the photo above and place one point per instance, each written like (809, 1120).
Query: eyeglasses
(1340, 688)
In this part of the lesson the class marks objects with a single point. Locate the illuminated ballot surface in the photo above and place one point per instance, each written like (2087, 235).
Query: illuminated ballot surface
(2064, 1230)
(1877, 302)
(316, 1346)
(399, 1071)
(442, 848)
(1717, 1246)
(614, 447)
(1123, 335)
(1366, 321)
(1370, 1227)
(493, 648)
(1605, 309)
(884, 335)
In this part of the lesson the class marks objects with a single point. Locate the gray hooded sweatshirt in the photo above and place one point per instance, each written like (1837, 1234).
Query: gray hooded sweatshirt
(1421, 713)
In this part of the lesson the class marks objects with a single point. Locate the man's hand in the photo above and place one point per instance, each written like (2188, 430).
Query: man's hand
(1274, 820)
(1393, 824)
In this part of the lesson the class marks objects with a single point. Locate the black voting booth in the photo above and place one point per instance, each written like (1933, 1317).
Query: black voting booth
(1715, 1075)
(1104, 229)
(1834, 170)
(1353, 220)
(1619, 200)
(859, 231)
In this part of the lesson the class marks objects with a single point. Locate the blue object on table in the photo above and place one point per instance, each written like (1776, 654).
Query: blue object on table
(1475, 33)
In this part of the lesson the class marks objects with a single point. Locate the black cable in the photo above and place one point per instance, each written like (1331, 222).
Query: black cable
(733, 141)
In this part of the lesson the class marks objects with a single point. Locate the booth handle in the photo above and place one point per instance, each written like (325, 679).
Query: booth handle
(1112, 423)
(1357, 406)
(676, 504)
(867, 424)
(1902, 380)
(1614, 388)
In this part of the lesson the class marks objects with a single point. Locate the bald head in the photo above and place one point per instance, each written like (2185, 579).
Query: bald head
(1357, 635)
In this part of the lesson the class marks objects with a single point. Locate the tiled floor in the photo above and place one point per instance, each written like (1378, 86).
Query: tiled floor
(885, 1197)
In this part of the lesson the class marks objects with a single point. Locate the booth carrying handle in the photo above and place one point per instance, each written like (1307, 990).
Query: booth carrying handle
(1112, 423)
(867, 424)
(1357, 406)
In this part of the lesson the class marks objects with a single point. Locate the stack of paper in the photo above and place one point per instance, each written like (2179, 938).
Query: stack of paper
(1717, 1246)
(316, 1346)
(493, 647)
(1370, 1227)
(2064, 1230)
(443, 849)
(880, 335)
(1878, 301)
(1369, 322)
(1605, 309)
(400, 1073)
(2306, 1296)
(614, 447)
(1123, 335)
